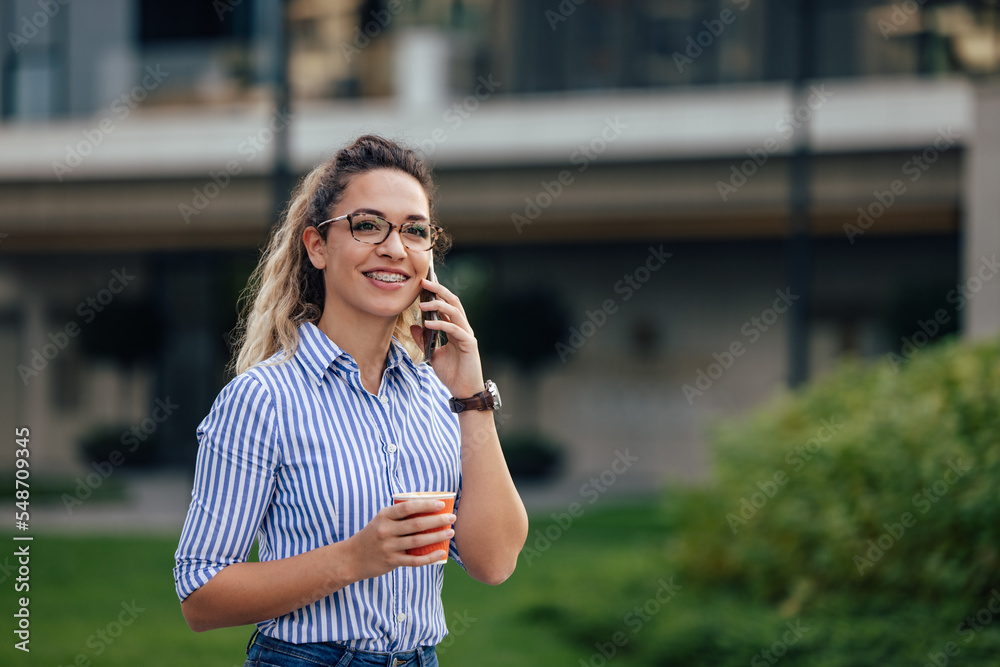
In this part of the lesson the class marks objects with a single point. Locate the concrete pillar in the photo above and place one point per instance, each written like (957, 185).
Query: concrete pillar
(421, 70)
(37, 408)
(101, 60)
(980, 279)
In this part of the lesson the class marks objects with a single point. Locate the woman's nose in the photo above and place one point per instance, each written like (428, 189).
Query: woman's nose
(393, 244)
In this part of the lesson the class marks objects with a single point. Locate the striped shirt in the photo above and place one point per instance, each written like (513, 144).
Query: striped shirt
(301, 455)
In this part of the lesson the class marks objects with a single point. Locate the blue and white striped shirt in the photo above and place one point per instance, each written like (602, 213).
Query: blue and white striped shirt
(301, 455)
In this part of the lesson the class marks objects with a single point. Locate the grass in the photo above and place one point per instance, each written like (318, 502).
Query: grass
(80, 586)
(51, 489)
(602, 586)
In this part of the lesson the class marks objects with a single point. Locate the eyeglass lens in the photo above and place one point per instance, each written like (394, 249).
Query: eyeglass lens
(372, 229)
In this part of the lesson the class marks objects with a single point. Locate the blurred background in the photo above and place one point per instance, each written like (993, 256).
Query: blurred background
(665, 212)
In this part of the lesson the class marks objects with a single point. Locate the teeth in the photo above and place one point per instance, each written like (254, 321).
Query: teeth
(386, 277)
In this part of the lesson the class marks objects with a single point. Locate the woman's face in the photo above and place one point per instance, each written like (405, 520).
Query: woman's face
(384, 279)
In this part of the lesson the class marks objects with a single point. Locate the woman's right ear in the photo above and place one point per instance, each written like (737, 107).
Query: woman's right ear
(315, 246)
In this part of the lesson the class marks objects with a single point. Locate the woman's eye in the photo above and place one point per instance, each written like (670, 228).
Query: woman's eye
(418, 230)
(364, 226)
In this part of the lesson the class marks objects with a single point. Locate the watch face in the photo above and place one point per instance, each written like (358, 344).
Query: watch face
(495, 393)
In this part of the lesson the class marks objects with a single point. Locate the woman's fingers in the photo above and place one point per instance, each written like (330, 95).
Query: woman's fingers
(416, 518)
(443, 294)
(423, 539)
(447, 311)
(440, 290)
(455, 332)
(410, 507)
(382, 544)
(420, 524)
(417, 561)
(411, 531)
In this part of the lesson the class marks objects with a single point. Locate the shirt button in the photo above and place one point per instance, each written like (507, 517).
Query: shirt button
(392, 448)
(384, 400)
(400, 617)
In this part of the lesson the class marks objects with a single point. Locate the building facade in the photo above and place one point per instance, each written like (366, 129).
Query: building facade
(622, 181)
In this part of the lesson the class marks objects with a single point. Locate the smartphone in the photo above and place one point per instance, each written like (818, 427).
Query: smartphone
(430, 335)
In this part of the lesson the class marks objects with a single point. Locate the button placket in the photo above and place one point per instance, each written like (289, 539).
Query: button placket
(390, 447)
(393, 471)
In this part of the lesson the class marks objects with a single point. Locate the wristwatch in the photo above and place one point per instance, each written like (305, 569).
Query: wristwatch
(484, 400)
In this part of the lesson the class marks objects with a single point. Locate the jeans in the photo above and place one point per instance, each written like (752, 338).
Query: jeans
(265, 651)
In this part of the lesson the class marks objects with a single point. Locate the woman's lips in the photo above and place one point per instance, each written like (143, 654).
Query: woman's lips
(386, 279)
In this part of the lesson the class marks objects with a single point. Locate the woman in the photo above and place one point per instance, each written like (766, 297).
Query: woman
(331, 413)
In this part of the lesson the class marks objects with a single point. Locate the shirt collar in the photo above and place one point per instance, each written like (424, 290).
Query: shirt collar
(317, 352)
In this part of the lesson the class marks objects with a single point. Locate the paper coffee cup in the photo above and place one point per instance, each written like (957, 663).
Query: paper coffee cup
(449, 506)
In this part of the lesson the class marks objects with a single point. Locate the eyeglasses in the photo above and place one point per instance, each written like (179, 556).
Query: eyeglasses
(372, 229)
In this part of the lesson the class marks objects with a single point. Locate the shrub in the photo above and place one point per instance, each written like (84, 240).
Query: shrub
(877, 480)
(531, 456)
(105, 443)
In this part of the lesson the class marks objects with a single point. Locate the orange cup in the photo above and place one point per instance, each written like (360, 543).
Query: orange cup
(449, 506)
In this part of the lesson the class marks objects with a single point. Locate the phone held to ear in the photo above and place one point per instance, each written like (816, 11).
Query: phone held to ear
(430, 335)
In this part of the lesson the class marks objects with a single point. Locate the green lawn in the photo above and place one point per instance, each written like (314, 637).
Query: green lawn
(83, 587)
(600, 585)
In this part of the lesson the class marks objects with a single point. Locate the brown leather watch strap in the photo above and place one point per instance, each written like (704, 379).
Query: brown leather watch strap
(484, 400)
(477, 402)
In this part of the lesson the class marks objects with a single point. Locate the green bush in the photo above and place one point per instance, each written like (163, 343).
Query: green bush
(883, 480)
(104, 444)
(598, 591)
(531, 456)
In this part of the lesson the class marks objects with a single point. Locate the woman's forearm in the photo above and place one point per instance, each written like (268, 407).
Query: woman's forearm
(491, 524)
(245, 593)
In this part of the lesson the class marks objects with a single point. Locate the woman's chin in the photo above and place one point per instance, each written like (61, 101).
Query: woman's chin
(389, 311)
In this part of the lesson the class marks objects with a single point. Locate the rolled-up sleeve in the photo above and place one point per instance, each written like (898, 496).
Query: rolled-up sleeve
(237, 459)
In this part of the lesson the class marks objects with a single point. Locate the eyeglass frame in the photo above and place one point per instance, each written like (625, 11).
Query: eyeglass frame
(435, 230)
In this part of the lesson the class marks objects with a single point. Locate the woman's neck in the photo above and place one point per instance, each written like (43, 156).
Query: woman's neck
(366, 339)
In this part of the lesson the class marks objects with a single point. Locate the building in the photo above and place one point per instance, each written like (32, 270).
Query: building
(637, 166)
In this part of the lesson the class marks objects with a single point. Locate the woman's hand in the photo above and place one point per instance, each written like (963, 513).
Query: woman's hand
(380, 547)
(456, 364)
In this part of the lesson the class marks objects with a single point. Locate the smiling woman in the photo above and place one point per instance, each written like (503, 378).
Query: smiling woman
(332, 413)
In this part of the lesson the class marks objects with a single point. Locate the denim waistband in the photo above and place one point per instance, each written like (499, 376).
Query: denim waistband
(330, 654)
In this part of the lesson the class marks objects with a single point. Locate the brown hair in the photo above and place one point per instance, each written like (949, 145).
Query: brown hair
(285, 289)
